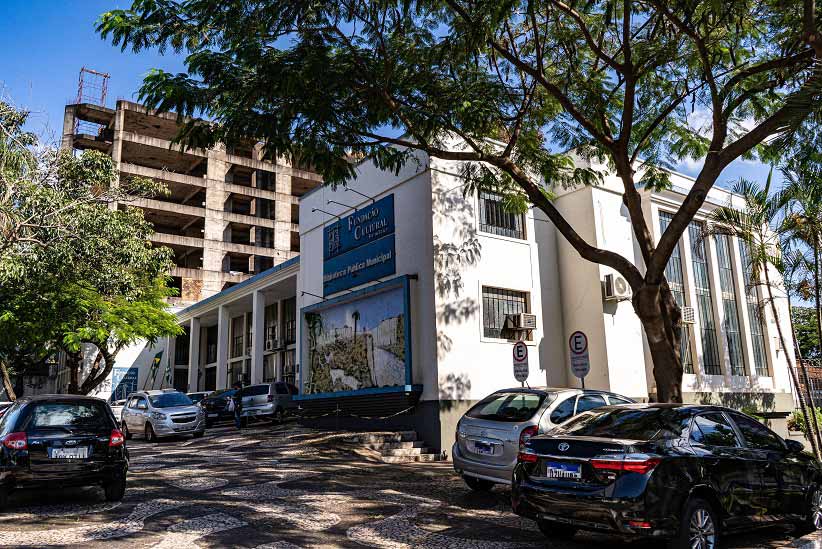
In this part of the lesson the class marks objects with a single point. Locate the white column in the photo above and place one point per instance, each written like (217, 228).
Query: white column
(257, 336)
(194, 355)
(222, 347)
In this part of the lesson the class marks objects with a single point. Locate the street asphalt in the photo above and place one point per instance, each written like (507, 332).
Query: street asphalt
(286, 487)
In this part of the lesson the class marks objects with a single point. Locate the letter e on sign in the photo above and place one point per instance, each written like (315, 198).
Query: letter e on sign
(580, 362)
(520, 361)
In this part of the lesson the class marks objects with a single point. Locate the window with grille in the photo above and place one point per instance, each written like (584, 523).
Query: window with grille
(495, 219)
(290, 317)
(497, 304)
(730, 323)
(754, 312)
(675, 277)
(236, 336)
(704, 298)
(290, 367)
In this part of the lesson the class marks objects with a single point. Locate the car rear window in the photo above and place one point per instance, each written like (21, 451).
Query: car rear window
(256, 390)
(509, 406)
(627, 423)
(84, 415)
(168, 400)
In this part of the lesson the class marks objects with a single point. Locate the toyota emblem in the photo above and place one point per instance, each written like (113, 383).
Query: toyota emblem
(563, 446)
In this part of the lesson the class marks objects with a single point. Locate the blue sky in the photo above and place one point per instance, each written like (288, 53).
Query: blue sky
(46, 42)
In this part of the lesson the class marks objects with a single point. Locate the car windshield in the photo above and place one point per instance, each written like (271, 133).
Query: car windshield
(509, 406)
(167, 400)
(222, 393)
(627, 423)
(196, 397)
(69, 415)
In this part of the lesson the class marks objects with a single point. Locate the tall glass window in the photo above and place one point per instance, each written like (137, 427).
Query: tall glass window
(675, 277)
(754, 312)
(730, 324)
(704, 297)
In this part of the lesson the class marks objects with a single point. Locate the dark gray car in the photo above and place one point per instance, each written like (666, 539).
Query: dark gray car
(490, 434)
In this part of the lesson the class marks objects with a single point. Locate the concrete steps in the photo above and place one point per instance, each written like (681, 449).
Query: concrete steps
(395, 447)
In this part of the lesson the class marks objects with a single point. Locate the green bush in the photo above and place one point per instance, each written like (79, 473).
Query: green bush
(796, 421)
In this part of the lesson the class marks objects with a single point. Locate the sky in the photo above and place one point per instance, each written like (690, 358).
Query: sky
(46, 42)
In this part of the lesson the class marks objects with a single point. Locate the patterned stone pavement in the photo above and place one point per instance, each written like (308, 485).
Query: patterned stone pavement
(287, 488)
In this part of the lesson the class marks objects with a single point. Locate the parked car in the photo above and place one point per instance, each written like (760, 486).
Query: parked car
(268, 400)
(489, 435)
(685, 472)
(196, 398)
(61, 440)
(117, 407)
(215, 406)
(4, 406)
(162, 413)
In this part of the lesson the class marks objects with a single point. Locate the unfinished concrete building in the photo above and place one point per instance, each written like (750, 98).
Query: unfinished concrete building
(229, 214)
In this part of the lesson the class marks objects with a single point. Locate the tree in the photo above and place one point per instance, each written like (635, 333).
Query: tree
(760, 226)
(74, 270)
(617, 80)
(804, 320)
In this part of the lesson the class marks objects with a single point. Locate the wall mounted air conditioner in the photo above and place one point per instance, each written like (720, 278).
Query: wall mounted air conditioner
(616, 288)
(688, 315)
(521, 321)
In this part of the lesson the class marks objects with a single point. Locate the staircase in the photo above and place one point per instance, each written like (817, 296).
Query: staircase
(395, 447)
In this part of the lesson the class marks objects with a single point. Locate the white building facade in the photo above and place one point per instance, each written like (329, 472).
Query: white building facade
(409, 292)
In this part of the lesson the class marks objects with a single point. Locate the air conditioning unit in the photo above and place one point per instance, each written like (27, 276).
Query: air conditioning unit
(271, 344)
(521, 321)
(688, 315)
(616, 288)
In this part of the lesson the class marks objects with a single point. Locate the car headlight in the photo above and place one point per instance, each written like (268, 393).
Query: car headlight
(158, 415)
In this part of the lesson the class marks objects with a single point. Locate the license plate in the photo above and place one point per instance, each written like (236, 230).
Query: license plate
(484, 448)
(81, 452)
(556, 469)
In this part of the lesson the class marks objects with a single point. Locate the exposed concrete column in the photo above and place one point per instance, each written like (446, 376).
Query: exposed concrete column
(257, 337)
(69, 119)
(223, 319)
(194, 355)
(215, 223)
(282, 214)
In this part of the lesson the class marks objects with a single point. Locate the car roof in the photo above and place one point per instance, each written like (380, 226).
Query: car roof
(540, 390)
(55, 397)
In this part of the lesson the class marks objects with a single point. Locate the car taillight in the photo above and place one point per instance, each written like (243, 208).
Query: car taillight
(629, 465)
(116, 438)
(526, 435)
(526, 457)
(270, 398)
(16, 441)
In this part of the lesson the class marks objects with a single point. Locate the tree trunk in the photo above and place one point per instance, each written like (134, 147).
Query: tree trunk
(802, 365)
(97, 375)
(73, 361)
(791, 367)
(7, 385)
(660, 316)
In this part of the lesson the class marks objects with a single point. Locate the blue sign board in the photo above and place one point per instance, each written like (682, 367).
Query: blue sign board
(359, 228)
(359, 247)
(123, 382)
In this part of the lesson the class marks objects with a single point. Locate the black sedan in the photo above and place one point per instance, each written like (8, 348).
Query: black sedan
(216, 406)
(683, 472)
(61, 440)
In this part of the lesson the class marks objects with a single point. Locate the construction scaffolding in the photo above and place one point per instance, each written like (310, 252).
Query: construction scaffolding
(92, 88)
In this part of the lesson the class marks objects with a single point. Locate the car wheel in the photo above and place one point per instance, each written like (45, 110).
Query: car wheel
(150, 435)
(552, 529)
(813, 519)
(126, 432)
(115, 490)
(478, 484)
(698, 528)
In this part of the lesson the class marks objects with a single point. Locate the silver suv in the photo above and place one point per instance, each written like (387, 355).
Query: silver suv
(490, 434)
(161, 413)
(268, 400)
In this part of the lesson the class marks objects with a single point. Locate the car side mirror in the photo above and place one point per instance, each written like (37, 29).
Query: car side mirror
(794, 446)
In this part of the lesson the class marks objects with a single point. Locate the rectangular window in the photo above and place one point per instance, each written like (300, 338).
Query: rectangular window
(730, 324)
(236, 336)
(675, 277)
(211, 344)
(271, 332)
(754, 312)
(290, 317)
(704, 298)
(290, 367)
(495, 219)
(181, 347)
(497, 304)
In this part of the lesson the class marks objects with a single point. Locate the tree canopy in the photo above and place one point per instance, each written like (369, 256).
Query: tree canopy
(74, 268)
(505, 86)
